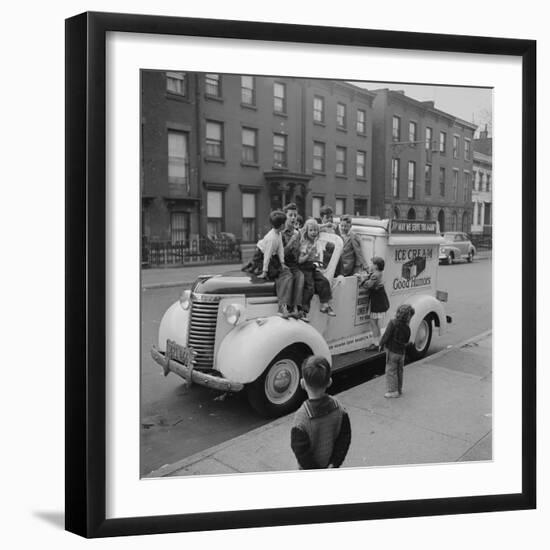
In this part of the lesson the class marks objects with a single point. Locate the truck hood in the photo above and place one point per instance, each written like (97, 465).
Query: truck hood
(234, 282)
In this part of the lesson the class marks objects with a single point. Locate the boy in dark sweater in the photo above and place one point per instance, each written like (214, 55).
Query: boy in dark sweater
(321, 434)
(395, 340)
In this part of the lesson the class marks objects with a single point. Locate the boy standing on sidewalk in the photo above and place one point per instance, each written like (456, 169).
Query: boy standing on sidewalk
(321, 434)
(395, 340)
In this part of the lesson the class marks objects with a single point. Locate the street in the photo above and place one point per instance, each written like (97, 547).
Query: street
(177, 422)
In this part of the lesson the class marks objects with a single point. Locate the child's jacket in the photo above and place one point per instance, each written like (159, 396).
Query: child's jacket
(321, 434)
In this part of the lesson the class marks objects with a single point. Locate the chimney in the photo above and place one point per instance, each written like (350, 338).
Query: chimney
(484, 134)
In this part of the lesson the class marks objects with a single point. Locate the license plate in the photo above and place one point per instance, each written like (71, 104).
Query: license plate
(179, 353)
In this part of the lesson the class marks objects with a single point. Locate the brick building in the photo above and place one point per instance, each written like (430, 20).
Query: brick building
(219, 152)
(482, 193)
(422, 162)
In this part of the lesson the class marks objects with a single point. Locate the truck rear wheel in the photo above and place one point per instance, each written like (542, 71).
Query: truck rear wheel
(422, 340)
(277, 391)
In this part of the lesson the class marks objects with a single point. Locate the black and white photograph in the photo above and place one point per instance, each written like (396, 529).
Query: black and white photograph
(274, 275)
(316, 273)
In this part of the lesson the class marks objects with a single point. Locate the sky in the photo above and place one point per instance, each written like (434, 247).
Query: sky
(470, 104)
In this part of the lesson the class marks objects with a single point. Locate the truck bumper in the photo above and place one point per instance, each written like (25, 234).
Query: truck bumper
(190, 375)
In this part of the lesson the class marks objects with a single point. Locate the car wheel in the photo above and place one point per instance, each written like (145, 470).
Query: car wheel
(277, 391)
(422, 340)
(450, 258)
(470, 256)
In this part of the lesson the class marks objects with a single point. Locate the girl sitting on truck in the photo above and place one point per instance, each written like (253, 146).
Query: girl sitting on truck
(378, 299)
(309, 261)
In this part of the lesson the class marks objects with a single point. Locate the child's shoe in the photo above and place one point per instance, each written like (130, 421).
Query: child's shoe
(303, 316)
(296, 314)
(325, 308)
(390, 394)
(283, 311)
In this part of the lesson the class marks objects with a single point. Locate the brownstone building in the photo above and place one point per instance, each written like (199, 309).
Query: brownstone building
(219, 152)
(422, 162)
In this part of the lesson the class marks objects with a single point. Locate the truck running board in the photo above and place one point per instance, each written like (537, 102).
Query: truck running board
(352, 358)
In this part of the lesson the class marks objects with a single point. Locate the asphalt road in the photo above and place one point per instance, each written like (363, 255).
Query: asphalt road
(177, 422)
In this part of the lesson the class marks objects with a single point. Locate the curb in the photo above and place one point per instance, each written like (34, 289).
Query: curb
(169, 469)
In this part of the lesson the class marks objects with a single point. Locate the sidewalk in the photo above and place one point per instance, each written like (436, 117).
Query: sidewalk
(181, 276)
(444, 415)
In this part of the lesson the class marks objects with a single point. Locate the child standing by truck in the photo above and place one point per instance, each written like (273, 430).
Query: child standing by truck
(378, 299)
(395, 340)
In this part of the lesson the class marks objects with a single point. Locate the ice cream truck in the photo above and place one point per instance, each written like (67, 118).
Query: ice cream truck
(225, 333)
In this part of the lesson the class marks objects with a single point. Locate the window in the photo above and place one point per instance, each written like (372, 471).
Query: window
(340, 207)
(466, 188)
(279, 97)
(319, 109)
(467, 145)
(412, 131)
(428, 216)
(341, 161)
(455, 185)
(479, 209)
(360, 207)
(248, 90)
(214, 139)
(456, 141)
(176, 83)
(361, 121)
(249, 217)
(178, 158)
(396, 129)
(428, 179)
(318, 156)
(360, 170)
(442, 143)
(488, 182)
(214, 212)
(213, 85)
(411, 214)
(179, 228)
(442, 176)
(441, 220)
(249, 141)
(316, 205)
(429, 138)
(454, 221)
(395, 177)
(411, 180)
(341, 115)
(279, 150)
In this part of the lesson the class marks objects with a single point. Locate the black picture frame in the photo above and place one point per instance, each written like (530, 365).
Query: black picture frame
(86, 267)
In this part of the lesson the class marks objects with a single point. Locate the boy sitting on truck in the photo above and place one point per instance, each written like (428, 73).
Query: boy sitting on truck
(321, 435)
(268, 262)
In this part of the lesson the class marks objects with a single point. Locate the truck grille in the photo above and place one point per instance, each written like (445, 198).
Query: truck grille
(202, 330)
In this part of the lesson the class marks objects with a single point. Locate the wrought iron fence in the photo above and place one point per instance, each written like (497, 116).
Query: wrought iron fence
(221, 248)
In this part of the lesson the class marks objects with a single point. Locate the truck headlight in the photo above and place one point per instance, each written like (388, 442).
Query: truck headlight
(232, 313)
(443, 249)
(185, 299)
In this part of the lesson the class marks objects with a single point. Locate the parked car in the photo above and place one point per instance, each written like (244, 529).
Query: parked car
(457, 246)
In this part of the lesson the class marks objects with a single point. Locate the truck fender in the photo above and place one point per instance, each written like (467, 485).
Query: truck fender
(248, 349)
(423, 305)
(173, 326)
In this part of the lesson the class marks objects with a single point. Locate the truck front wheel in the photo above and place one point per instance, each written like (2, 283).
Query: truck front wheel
(277, 391)
(422, 340)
